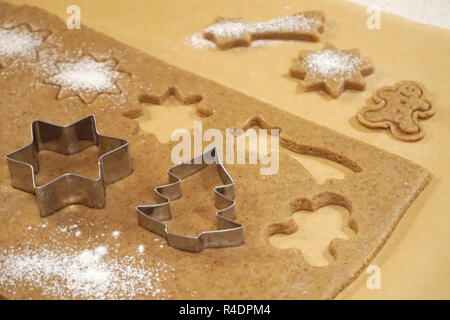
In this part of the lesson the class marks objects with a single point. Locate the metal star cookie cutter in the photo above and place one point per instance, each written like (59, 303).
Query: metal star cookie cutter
(229, 232)
(114, 164)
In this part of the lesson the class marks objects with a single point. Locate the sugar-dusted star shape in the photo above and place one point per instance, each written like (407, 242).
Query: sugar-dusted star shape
(20, 42)
(332, 70)
(86, 78)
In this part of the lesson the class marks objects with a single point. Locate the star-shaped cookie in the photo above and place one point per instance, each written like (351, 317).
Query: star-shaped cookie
(86, 78)
(332, 70)
(20, 41)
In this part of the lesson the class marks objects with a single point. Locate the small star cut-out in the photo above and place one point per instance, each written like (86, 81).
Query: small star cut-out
(86, 78)
(332, 70)
(20, 41)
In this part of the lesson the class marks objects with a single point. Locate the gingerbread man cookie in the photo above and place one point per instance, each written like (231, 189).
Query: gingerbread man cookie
(331, 69)
(398, 108)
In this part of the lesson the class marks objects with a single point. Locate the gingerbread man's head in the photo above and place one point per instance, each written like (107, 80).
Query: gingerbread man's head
(409, 89)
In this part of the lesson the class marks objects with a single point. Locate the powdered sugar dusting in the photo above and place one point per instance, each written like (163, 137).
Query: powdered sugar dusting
(86, 74)
(141, 249)
(286, 24)
(332, 63)
(229, 28)
(45, 67)
(237, 28)
(57, 264)
(17, 42)
(116, 234)
(85, 274)
(199, 43)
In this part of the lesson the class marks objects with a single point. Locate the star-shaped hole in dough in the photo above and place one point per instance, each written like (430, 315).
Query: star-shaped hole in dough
(20, 42)
(86, 78)
(332, 70)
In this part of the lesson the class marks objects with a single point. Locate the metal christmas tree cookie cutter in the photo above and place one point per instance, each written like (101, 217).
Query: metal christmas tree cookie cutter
(114, 163)
(229, 232)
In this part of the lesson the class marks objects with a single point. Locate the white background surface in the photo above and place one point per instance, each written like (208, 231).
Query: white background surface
(434, 12)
